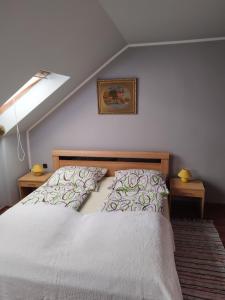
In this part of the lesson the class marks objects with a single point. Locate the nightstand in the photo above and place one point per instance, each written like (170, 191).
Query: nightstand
(28, 183)
(193, 189)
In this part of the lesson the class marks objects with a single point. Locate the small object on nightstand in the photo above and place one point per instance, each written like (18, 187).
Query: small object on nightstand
(29, 182)
(185, 175)
(37, 170)
(193, 189)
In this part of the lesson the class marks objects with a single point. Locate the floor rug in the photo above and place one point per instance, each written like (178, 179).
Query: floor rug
(200, 260)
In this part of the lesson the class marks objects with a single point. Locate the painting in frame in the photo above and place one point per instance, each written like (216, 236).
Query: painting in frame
(117, 96)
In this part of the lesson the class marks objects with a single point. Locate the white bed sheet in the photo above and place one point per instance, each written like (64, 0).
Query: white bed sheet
(54, 253)
(96, 200)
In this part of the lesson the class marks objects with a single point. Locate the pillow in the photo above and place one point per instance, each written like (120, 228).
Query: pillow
(86, 177)
(66, 195)
(134, 180)
(141, 201)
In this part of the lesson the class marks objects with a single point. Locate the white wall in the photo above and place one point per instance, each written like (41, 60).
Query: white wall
(72, 37)
(3, 193)
(180, 109)
(10, 169)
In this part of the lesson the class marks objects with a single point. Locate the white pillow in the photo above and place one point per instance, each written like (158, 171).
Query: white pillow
(139, 180)
(86, 177)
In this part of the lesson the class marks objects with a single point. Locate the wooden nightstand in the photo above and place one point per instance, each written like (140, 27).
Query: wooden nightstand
(193, 188)
(28, 183)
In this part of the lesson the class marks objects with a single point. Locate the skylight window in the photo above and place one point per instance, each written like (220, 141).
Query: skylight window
(29, 97)
(24, 89)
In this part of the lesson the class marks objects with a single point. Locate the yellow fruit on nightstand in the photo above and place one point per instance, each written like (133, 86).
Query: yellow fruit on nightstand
(37, 170)
(185, 175)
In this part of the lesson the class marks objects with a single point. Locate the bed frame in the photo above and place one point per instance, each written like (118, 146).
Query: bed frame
(112, 160)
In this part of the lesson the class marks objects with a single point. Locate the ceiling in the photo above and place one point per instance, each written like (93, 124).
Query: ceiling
(75, 37)
(141, 21)
(58, 36)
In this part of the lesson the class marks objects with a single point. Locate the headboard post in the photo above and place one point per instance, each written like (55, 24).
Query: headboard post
(55, 159)
(165, 166)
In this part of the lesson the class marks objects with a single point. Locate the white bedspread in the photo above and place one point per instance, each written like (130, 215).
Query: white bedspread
(50, 252)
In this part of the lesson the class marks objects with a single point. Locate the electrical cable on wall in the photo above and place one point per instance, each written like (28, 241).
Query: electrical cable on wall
(20, 151)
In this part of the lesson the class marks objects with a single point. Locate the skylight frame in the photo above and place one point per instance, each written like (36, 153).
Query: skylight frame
(23, 90)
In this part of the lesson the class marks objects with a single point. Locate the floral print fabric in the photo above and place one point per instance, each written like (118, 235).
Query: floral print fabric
(68, 186)
(84, 177)
(137, 190)
(139, 201)
(134, 180)
(66, 195)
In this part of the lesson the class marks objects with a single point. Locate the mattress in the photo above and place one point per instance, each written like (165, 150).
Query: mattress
(96, 200)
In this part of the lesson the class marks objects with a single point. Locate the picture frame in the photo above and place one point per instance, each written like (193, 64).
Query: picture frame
(117, 96)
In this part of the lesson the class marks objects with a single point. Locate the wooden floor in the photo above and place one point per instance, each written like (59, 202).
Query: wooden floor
(215, 212)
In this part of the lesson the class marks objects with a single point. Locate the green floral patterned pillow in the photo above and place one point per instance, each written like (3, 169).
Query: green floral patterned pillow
(140, 201)
(134, 180)
(85, 177)
(66, 195)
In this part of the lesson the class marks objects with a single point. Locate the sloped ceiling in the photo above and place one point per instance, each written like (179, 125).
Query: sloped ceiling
(71, 37)
(165, 20)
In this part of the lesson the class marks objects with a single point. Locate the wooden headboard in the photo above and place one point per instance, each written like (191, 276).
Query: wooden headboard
(112, 160)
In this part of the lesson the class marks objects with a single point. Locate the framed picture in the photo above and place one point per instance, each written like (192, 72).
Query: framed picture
(117, 96)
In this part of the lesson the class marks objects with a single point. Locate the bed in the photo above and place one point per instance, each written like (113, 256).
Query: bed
(51, 252)
(113, 161)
